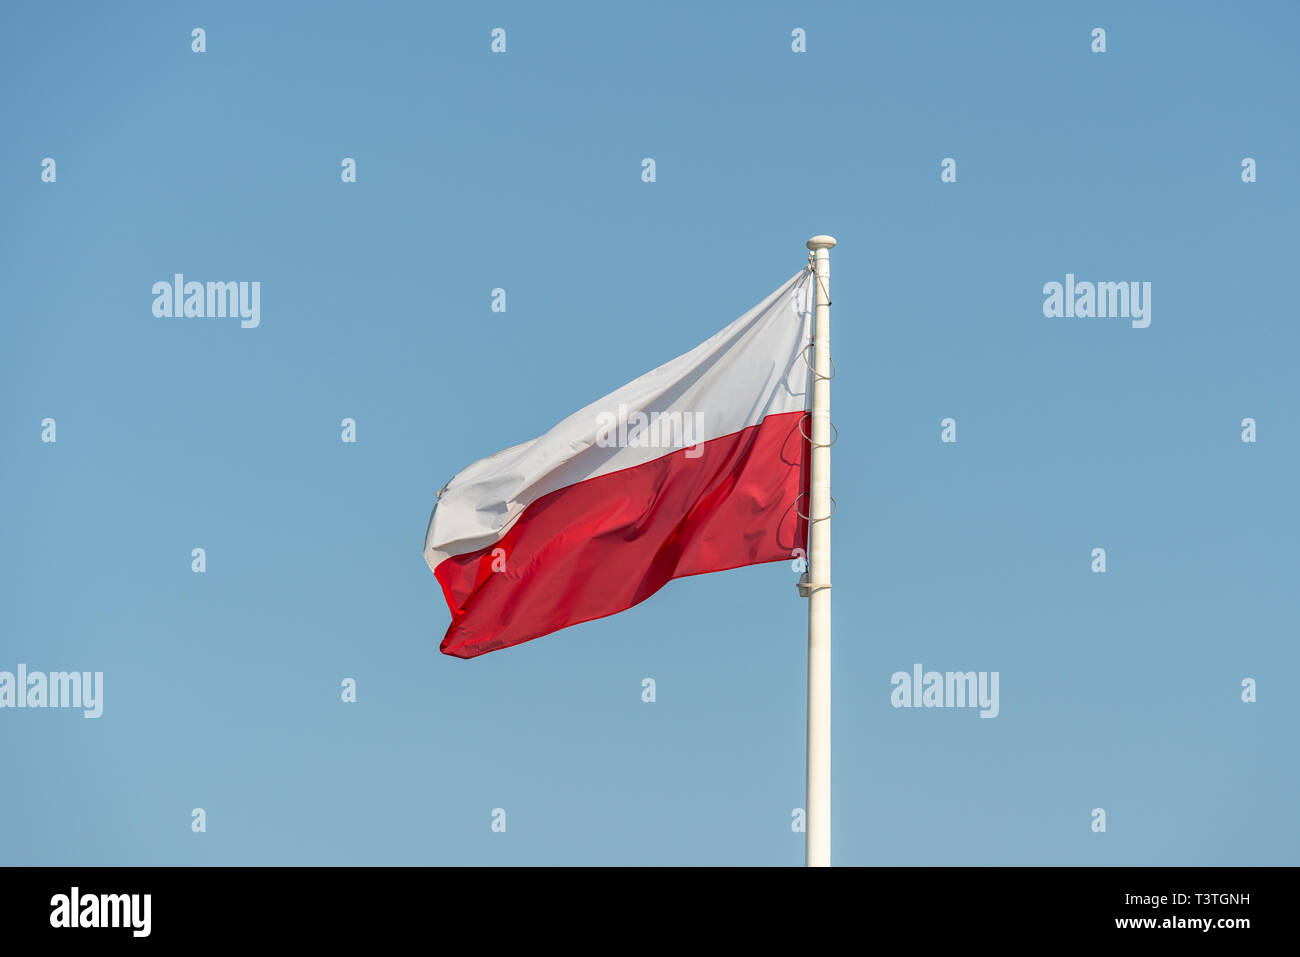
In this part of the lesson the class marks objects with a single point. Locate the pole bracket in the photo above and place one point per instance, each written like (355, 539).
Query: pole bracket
(806, 587)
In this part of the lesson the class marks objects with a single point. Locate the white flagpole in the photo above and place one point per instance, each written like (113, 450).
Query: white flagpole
(818, 821)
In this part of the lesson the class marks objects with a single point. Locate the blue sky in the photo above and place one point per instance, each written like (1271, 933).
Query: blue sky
(522, 171)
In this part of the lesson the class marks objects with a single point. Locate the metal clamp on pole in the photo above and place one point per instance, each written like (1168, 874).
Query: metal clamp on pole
(807, 586)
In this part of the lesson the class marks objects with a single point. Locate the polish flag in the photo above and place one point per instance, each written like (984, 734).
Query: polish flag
(697, 466)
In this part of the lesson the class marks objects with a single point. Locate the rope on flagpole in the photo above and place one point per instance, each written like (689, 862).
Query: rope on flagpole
(803, 354)
(824, 518)
(808, 438)
(813, 269)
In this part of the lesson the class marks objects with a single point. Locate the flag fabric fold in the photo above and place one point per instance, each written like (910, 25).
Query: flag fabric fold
(700, 465)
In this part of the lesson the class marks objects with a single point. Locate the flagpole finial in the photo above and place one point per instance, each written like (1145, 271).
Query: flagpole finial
(821, 242)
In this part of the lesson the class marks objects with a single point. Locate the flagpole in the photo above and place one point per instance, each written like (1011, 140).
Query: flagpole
(817, 840)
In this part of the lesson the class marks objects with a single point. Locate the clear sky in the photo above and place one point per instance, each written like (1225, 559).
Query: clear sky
(523, 171)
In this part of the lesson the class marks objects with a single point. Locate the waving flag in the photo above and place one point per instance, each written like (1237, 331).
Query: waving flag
(697, 466)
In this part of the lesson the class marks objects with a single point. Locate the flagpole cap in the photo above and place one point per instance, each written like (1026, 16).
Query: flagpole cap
(821, 242)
